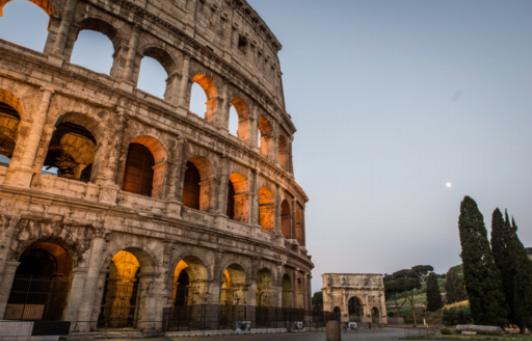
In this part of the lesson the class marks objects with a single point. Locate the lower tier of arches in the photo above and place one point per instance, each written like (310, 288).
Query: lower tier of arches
(100, 280)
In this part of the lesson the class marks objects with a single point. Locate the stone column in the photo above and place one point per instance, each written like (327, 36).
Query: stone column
(6, 281)
(277, 210)
(253, 129)
(153, 299)
(223, 102)
(223, 182)
(20, 171)
(88, 300)
(75, 295)
(184, 85)
(171, 94)
(59, 30)
(253, 197)
(130, 69)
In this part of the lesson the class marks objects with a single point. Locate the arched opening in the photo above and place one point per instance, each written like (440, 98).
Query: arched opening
(237, 197)
(265, 298)
(14, 16)
(197, 184)
(71, 152)
(120, 300)
(191, 186)
(355, 309)
(41, 284)
(152, 77)
(264, 136)
(336, 313)
(266, 209)
(233, 291)
(138, 174)
(375, 316)
(286, 219)
(154, 70)
(9, 121)
(203, 97)
(145, 166)
(299, 231)
(239, 119)
(233, 121)
(287, 293)
(189, 293)
(283, 156)
(93, 47)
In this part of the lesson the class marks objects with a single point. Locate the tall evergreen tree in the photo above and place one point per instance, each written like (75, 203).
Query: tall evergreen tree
(454, 285)
(522, 293)
(434, 301)
(501, 245)
(481, 275)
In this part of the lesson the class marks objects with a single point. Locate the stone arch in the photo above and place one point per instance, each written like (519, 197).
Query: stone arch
(209, 87)
(41, 283)
(242, 111)
(145, 166)
(165, 60)
(355, 309)
(286, 219)
(265, 288)
(99, 25)
(30, 231)
(48, 6)
(238, 197)
(266, 209)
(73, 147)
(375, 315)
(264, 136)
(233, 294)
(127, 286)
(287, 292)
(300, 293)
(197, 183)
(283, 156)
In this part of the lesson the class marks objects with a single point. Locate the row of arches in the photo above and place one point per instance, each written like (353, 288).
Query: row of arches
(43, 281)
(73, 152)
(156, 71)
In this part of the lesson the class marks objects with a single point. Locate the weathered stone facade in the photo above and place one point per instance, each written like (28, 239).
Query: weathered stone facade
(355, 297)
(138, 205)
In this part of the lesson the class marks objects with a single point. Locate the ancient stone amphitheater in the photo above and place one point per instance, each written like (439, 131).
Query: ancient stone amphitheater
(123, 210)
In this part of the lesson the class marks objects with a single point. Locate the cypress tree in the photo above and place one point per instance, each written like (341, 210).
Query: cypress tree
(434, 301)
(481, 275)
(454, 285)
(501, 248)
(522, 283)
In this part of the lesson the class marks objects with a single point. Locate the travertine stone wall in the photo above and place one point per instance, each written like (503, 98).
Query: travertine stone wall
(368, 289)
(224, 41)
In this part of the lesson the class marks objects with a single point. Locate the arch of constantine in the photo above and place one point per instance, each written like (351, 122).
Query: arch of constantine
(121, 209)
(355, 297)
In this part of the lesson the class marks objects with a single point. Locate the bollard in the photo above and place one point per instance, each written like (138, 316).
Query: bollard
(333, 331)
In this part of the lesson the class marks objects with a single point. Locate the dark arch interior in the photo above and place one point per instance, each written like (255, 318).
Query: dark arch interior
(138, 175)
(183, 283)
(191, 186)
(71, 152)
(286, 220)
(355, 309)
(9, 119)
(230, 200)
(41, 284)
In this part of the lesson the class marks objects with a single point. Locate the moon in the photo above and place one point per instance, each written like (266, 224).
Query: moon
(448, 184)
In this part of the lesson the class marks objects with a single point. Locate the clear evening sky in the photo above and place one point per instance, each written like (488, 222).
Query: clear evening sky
(392, 100)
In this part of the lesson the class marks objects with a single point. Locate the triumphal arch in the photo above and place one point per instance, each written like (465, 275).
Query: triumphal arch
(354, 297)
(120, 209)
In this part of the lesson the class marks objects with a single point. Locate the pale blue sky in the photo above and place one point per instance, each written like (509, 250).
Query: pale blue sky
(392, 99)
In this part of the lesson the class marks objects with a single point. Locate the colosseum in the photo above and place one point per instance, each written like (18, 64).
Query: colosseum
(123, 210)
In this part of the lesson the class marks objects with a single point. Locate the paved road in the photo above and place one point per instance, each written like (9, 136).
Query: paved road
(384, 334)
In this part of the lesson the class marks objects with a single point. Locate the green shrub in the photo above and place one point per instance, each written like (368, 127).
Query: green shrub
(456, 315)
(446, 331)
